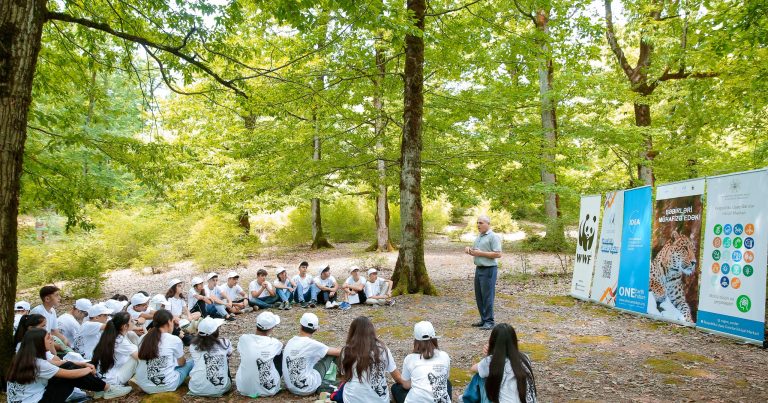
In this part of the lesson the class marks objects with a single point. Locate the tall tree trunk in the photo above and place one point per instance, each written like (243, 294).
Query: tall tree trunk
(21, 27)
(318, 237)
(244, 221)
(555, 233)
(382, 209)
(645, 168)
(410, 276)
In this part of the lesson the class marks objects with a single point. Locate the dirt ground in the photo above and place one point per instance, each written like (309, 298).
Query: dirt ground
(580, 351)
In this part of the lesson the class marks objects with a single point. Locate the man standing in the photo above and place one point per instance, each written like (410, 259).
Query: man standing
(486, 250)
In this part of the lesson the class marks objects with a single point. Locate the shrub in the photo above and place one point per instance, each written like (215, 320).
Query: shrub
(501, 220)
(217, 241)
(79, 261)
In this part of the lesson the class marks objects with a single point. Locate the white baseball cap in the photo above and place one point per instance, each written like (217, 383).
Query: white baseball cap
(22, 305)
(371, 271)
(196, 280)
(139, 299)
(83, 304)
(424, 331)
(267, 320)
(310, 320)
(98, 309)
(115, 305)
(173, 282)
(208, 326)
(74, 357)
(323, 267)
(353, 269)
(211, 275)
(232, 274)
(280, 269)
(159, 301)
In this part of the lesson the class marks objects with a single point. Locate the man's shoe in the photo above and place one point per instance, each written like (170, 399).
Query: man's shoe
(328, 305)
(248, 310)
(230, 318)
(478, 324)
(312, 303)
(116, 391)
(487, 326)
(287, 305)
(304, 304)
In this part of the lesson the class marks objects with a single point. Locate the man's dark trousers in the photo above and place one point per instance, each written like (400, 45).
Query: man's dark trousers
(485, 292)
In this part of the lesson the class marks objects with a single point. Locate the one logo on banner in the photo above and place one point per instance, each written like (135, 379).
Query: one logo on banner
(718, 229)
(749, 229)
(724, 282)
(735, 283)
(727, 229)
(634, 222)
(748, 270)
(743, 303)
(725, 268)
(738, 229)
(587, 231)
(749, 243)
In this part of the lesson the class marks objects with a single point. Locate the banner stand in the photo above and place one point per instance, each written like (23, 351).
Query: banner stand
(586, 246)
(732, 336)
(653, 317)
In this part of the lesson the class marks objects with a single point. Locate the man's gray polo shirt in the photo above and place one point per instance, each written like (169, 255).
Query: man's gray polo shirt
(488, 242)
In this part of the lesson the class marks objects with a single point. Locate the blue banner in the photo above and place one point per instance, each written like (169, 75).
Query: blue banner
(635, 262)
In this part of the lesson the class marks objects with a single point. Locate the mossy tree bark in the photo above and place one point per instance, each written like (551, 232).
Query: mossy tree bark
(411, 276)
(383, 243)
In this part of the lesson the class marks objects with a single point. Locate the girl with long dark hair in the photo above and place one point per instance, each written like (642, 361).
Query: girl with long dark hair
(425, 371)
(29, 321)
(210, 375)
(507, 372)
(115, 356)
(31, 378)
(177, 304)
(365, 362)
(162, 366)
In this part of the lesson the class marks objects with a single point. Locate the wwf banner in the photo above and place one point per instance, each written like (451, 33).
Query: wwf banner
(674, 274)
(635, 251)
(585, 246)
(606, 277)
(732, 297)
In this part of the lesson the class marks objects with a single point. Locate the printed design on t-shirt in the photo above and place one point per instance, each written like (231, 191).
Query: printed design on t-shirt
(296, 368)
(16, 392)
(378, 379)
(79, 345)
(439, 385)
(213, 365)
(155, 368)
(265, 374)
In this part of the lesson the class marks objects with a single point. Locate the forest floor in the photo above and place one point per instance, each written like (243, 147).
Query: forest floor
(580, 351)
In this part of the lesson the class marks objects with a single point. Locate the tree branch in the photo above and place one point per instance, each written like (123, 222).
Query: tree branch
(680, 74)
(147, 43)
(525, 14)
(465, 6)
(611, 35)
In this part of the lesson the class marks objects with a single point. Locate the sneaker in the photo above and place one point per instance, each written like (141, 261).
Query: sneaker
(487, 326)
(117, 391)
(248, 310)
(391, 302)
(287, 306)
(230, 318)
(98, 395)
(478, 324)
(335, 304)
(312, 303)
(329, 305)
(78, 395)
(277, 305)
(304, 304)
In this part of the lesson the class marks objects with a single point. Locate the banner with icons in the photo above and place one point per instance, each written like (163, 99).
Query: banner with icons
(585, 246)
(635, 251)
(606, 275)
(732, 296)
(674, 272)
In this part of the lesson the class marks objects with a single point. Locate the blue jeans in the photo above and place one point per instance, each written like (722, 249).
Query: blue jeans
(184, 371)
(264, 302)
(284, 294)
(216, 309)
(302, 295)
(485, 291)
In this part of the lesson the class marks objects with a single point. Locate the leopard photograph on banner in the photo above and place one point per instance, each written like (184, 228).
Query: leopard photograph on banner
(675, 269)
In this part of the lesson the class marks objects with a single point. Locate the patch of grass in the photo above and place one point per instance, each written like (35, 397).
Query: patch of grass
(690, 357)
(741, 383)
(546, 317)
(167, 397)
(654, 325)
(560, 300)
(516, 277)
(395, 331)
(591, 339)
(325, 336)
(537, 351)
(567, 360)
(460, 377)
(602, 310)
(673, 367)
(673, 381)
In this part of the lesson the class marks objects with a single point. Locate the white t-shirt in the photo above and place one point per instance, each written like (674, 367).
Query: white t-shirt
(85, 341)
(351, 281)
(299, 357)
(374, 288)
(328, 282)
(16, 320)
(429, 378)
(33, 392)
(51, 321)
(176, 306)
(255, 286)
(508, 390)
(191, 300)
(215, 292)
(69, 326)
(257, 375)
(305, 282)
(123, 350)
(373, 385)
(210, 375)
(157, 375)
(233, 293)
(287, 283)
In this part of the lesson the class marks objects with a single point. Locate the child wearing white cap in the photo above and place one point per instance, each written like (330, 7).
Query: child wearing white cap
(196, 299)
(210, 375)
(377, 290)
(306, 360)
(425, 371)
(219, 302)
(90, 331)
(355, 286)
(177, 304)
(235, 295)
(260, 359)
(21, 308)
(140, 312)
(69, 323)
(284, 288)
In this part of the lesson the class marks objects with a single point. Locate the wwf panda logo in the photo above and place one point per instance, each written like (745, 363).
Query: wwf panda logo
(587, 229)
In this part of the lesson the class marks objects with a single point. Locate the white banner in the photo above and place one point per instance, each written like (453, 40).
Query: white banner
(606, 275)
(585, 246)
(732, 297)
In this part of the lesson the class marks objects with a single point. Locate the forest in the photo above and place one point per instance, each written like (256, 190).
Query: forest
(139, 133)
